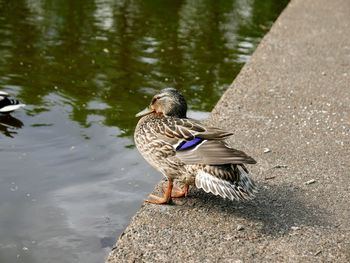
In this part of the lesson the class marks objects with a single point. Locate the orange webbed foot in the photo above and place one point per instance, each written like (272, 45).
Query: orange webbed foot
(153, 199)
(178, 192)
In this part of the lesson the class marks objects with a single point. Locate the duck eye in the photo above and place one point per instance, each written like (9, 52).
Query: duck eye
(155, 99)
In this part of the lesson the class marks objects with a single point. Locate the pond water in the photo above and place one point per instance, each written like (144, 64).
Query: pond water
(70, 177)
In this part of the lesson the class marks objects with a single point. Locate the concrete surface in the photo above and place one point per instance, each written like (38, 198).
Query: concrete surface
(292, 97)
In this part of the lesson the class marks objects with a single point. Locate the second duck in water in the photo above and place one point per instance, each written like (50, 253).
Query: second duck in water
(189, 152)
(8, 105)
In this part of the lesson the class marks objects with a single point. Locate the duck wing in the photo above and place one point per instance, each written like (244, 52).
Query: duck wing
(196, 143)
(188, 129)
(212, 152)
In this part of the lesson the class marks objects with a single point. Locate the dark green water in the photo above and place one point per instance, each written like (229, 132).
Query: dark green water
(69, 176)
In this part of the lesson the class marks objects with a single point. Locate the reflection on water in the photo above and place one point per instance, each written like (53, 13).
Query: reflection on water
(69, 176)
(9, 125)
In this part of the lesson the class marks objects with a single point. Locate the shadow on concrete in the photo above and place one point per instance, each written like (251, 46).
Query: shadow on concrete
(277, 208)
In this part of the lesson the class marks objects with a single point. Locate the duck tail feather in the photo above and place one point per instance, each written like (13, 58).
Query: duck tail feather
(244, 189)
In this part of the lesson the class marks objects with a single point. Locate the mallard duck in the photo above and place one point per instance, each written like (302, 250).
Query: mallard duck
(191, 153)
(8, 105)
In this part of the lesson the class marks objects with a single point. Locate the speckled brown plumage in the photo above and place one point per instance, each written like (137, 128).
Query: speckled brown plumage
(190, 152)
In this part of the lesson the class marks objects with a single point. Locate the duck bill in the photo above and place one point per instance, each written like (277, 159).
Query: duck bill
(144, 112)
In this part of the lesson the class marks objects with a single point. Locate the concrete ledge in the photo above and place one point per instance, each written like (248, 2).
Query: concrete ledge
(293, 97)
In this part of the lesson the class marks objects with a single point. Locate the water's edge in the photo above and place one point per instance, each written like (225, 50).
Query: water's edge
(211, 120)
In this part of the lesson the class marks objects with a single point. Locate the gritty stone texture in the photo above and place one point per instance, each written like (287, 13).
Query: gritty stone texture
(292, 97)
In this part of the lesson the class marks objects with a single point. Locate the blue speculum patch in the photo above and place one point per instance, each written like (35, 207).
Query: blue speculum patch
(185, 145)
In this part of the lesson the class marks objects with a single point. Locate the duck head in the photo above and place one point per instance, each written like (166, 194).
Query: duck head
(168, 102)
